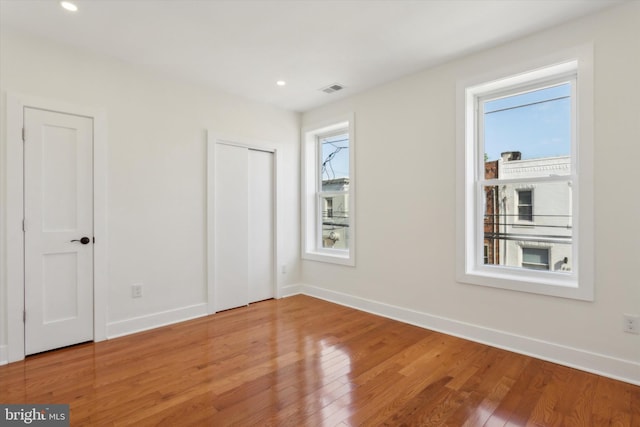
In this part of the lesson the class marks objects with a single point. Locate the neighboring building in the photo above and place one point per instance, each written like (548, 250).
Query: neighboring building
(534, 219)
(335, 214)
(491, 216)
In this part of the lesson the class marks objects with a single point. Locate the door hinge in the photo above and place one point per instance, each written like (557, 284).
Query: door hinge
(24, 316)
(24, 138)
(24, 226)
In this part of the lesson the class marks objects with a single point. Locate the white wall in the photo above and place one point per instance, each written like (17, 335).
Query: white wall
(405, 266)
(156, 168)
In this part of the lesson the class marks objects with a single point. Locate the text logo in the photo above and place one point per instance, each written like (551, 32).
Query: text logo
(34, 415)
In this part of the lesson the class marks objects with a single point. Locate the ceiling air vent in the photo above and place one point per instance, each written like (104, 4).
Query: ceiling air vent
(332, 88)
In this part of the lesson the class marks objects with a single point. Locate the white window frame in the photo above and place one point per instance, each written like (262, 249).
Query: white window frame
(311, 185)
(579, 283)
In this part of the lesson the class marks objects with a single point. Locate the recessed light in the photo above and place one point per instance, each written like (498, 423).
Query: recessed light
(281, 83)
(69, 6)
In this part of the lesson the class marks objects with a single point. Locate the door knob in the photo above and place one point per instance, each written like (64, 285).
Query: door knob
(83, 240)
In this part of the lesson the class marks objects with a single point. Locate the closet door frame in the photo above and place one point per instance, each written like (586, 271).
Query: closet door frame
(212, 140)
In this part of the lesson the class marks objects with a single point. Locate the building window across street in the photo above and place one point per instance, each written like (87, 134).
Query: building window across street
(329, 207)
(525, 205)
(535, 258)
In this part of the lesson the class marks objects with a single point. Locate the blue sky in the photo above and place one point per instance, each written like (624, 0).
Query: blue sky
(538, 124)
(335, 156)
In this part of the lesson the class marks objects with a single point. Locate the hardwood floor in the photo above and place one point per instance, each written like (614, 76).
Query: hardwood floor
(300, 361)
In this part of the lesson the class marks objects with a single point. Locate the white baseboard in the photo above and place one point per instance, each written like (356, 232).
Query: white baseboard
(290, 290)
(619, 369)
(156, 320)
(151, 321)
(4, 355)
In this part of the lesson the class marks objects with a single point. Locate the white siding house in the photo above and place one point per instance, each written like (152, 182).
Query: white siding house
(536, 218)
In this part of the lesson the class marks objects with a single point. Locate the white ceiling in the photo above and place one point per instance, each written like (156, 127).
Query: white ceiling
(244, 46)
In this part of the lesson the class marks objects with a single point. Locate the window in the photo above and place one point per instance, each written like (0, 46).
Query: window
(527, 130)
(525, 205)
(519, 146)
(328, 183)
(535, 258)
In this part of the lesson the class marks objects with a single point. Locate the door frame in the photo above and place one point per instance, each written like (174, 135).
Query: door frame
(14, 237)
(212, 141)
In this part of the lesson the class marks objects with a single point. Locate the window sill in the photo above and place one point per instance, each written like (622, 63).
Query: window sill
(541, 283)
(332, 257)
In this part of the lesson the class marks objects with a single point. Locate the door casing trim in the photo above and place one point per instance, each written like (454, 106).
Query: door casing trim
(14, 193)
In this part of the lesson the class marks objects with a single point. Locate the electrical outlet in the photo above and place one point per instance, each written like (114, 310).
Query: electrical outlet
(136, 290)
(631, 324)
(284, 269)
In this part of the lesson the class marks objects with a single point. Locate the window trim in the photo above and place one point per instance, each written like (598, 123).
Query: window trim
(579, 284)
(311, 208)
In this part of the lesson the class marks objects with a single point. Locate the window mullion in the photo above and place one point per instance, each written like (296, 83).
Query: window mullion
(533, 179)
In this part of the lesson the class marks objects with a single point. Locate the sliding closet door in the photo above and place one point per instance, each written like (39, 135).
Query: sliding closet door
(261, 250)
(231, 232)
(244, 226)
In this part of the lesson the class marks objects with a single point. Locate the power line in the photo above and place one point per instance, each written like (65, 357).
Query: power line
(527, 105)
(334, 141)
(328, 160)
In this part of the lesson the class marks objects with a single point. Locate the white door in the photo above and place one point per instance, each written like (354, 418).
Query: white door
(260, 225)
(231, 233)
(58, 206)
(244, 238)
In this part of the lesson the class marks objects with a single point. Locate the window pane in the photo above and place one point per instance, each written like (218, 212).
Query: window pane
(549, 226)
(529, 126)
(525, 213)
(335, 221)
(335, 162)
(524, 197)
